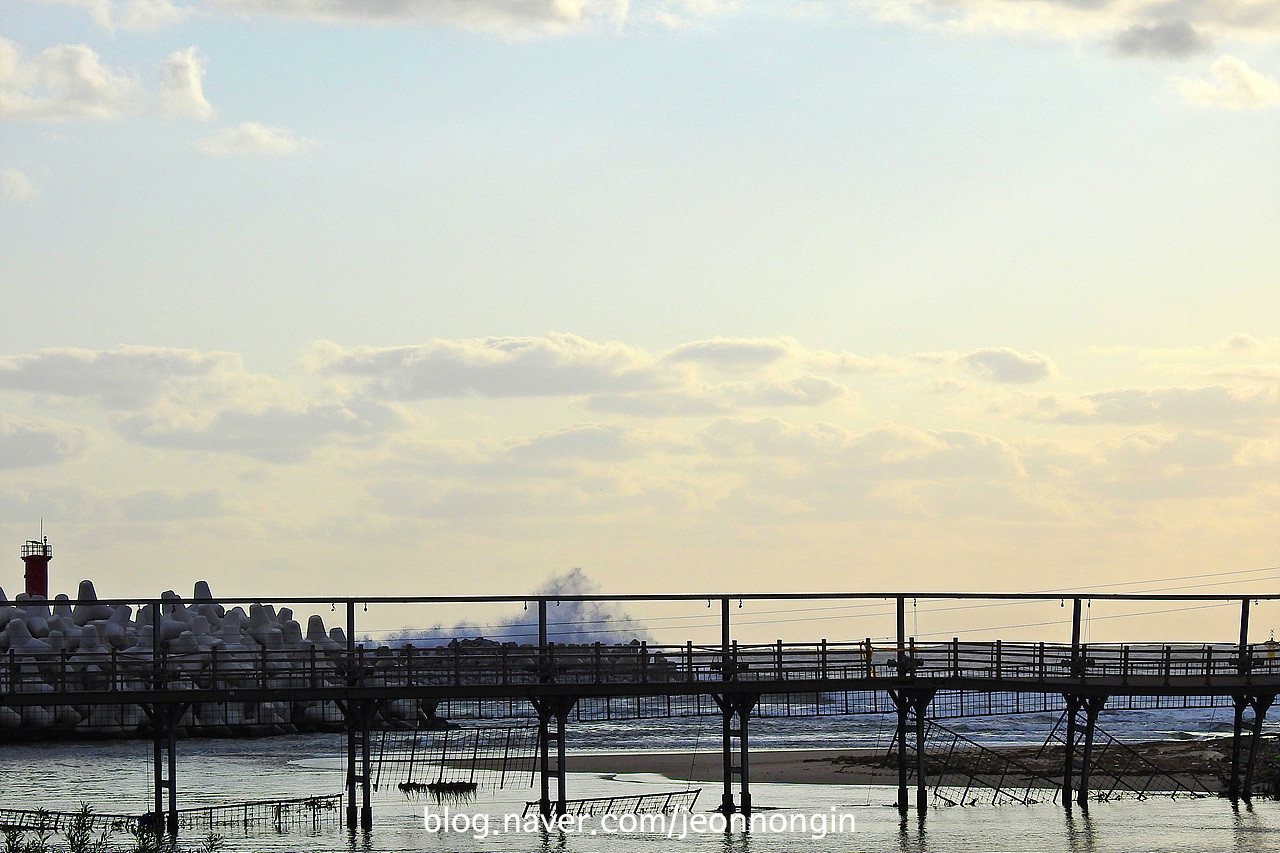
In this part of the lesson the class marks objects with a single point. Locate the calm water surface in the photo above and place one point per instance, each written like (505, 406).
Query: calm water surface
(116, 777)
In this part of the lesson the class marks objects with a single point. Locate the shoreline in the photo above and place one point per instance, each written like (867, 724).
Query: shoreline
(1196, 765)
(795, 766)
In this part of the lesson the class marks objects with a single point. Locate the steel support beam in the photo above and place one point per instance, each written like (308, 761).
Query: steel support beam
(164, 719)
(553, 715)
(735, 716)
(912, 706)
(1082, 718)
(1237, 787)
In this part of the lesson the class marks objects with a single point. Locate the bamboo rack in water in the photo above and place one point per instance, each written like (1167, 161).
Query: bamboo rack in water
(277, 814)
(631, 804)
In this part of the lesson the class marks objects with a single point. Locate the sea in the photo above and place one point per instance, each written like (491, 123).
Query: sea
(116, 777)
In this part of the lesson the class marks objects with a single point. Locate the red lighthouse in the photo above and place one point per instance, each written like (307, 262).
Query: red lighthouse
(37, 553)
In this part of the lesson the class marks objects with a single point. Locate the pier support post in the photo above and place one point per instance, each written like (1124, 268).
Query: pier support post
(358, 716)
(740, 707)
(912, 706)
(549, 709)
(1236, 787)
(1082, 717)
(164, 719)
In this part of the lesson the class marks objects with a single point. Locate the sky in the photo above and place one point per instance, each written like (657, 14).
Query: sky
(414, 297)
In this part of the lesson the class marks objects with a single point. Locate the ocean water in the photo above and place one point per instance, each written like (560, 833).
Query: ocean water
(790, 818)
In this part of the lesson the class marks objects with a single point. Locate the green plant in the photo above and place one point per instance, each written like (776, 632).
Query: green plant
(79, 833)
(16, 841)
(211, 843)
(150, 839)
(13, 842)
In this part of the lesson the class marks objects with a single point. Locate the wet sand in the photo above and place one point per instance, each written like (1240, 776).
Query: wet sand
(1199, 765)
(820, 766)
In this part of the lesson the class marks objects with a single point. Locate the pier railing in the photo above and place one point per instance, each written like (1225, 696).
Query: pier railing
(496, 665)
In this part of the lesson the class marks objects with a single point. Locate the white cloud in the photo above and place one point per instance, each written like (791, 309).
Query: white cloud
(1209, 406)
(1166, 40)
(998, 364)
(735, 352)
(185, 399)
(121, 378)
(1006, 365)
(182, 86)
(804, 390)
(63, 83)
(148, 15)
(251, 137)
(1238, 87)
(515, 18)
(661, 404)
(277, 433)
(131, 16)
(1160, 28)
(26, 443)
(154, 505)
(16, 186)
(555, 365)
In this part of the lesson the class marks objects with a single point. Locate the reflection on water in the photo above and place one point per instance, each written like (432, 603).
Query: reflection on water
(116, 777)
(1079, 830)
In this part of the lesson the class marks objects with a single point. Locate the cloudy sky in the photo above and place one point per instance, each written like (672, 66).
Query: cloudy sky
(457, 295)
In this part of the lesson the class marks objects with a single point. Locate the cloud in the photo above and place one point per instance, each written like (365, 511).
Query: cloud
(735, 352)
(757, 353)
(804, 390)
(1164, 28)
(555, 365)
(182, 86)
(63, 83)
(661, 404)
(122, 378)
(1170, 40)
(26, 444)
(1238, 87)
(252, 137)
(16, 186)
(154, 505)
(682, 13)
(1005, 365)
(592, 442)
(277, 434)
(131, 16)
(516, 18)
(148, 15)
(997, 364)
(834, 454)
(1212, 405)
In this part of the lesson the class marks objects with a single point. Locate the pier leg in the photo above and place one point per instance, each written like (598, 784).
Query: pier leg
(912, 707)
(922, 793)
(1069, 753)
(164, 762)
(901, 736)
(549, 709)
(735, 713)
(1237, 729)
(1082, 717)
(1093, 705)
(358, 716)
(1260, 704)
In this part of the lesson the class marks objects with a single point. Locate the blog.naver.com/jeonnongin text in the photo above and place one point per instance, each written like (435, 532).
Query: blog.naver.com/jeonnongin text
(674, 825)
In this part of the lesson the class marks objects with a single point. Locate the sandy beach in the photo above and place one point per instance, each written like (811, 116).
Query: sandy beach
(815, 766)
(1194, 764)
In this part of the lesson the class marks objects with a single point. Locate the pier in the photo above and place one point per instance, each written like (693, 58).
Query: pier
(915, 680)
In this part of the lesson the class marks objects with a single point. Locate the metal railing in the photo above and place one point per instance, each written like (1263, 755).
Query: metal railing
(458, 665)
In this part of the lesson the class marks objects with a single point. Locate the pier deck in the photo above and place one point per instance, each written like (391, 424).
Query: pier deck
(553, 677)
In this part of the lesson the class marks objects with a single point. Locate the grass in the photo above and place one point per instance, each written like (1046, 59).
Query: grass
(78, 837)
